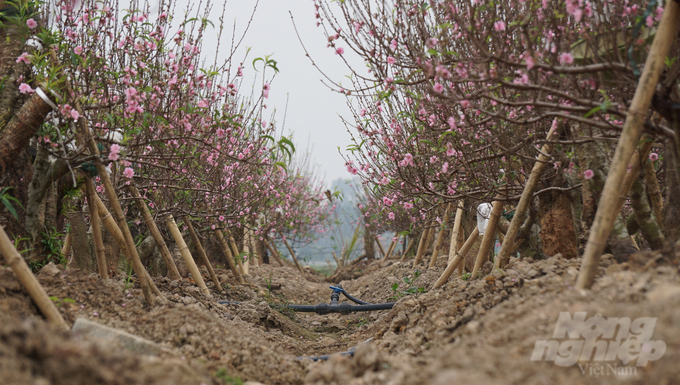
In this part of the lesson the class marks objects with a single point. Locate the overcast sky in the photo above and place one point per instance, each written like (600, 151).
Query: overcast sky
(313, 109)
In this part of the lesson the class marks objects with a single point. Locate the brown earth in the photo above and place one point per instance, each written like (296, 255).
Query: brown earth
(482, 330)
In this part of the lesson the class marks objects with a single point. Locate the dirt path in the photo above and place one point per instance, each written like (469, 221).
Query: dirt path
(483, 331)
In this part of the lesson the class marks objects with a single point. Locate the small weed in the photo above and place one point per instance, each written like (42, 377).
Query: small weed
(410, 289)
(284, 309)
(269, 287)
(60, 302)
(9, 201)
(362, 322)
(229, 380)
(128, 276)
(466, 276)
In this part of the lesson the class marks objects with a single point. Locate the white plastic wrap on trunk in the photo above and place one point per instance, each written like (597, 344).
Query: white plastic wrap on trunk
(483, 215)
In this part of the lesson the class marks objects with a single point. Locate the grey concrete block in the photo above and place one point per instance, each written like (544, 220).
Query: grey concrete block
(83, 327)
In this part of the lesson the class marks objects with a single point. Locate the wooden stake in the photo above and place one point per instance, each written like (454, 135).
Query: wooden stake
(606, 211)
(460, 256)
(489, 235)
(428, 241)
(525, 201)
(459, 243)
(222, 241)
(14, 260)
(96, 229)
(156, 233)
(234, 250)
(408, 249)
(186, 255)
(118, 237)
(292, 254)
(455, 233)
(247, 252)
(440, 237)
(380, 246)
(201, 252)
(423, 239)
(273, 251)
(389, 252)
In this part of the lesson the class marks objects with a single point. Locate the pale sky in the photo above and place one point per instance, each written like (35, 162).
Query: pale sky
(313, 109)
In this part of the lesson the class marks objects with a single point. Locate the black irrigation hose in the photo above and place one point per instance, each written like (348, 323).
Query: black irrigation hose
(324, 308)
(334, 306)
(357, 301)
(342, 308)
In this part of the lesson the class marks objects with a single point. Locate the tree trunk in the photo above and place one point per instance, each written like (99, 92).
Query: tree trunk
(82, 250)
(96, 230)
(261, 250)
(557, 228)
(369, 238)
(671, 218)
(19, 130)
(644, 216)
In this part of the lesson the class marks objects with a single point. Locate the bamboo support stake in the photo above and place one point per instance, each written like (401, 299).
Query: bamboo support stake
(66, 250)
(525, 201)
(156, 233)
(96, 229)
(273, 251)
(201, 252)
(606, 211)
(186, 255)
(380, 246)
(409, 248)
(423, 250)
(458, 259)
(390, 249)
(459, 243)
(14, 260)
(292, 254)
(113, 229)
(234, 250)
(247, 252)
(440, 237)
(489, 235)
(455, 233)
(253, 250)
(222, 241)
(421, 243)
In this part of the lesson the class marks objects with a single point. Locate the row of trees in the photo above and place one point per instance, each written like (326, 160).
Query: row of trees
(120, 100)
(459, 97)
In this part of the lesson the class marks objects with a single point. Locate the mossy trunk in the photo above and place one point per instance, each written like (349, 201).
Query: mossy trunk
(671, 220)
(645, 219)
(83, 255)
